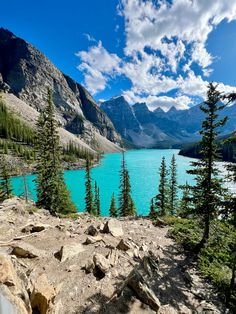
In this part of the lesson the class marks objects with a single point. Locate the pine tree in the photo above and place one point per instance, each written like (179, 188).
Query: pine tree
(113, 210)
(97, 204)
(126, 203)
(161, 199)
(185, 206)
(208, 190)
(51, 189)
(89, 198)
(173, 186)
(5, 182)
(152, 213)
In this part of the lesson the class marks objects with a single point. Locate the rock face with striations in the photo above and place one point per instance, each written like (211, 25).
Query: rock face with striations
(158, 128)
(28, 74)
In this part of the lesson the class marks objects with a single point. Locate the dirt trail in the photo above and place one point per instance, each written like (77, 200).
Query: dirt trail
(179, 288)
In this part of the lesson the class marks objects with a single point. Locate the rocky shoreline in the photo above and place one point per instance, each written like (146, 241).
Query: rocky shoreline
(94, 265)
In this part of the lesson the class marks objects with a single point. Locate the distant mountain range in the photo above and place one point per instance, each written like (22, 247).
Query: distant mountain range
(158, 129)
(25, 76)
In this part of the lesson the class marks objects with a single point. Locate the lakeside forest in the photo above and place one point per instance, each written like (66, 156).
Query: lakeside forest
(203, 220)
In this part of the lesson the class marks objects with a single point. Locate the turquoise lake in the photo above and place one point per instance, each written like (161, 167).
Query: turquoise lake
(143, 168)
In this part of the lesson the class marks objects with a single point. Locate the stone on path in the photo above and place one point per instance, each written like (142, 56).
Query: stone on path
(70, 250)
(43, 295)
(114, 227)
(26, 250)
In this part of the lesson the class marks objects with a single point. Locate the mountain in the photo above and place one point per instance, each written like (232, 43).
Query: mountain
(159, 128)
(226, 147)
(27, 74)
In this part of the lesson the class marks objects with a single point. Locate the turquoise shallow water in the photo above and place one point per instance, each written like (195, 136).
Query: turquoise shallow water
(143, 168)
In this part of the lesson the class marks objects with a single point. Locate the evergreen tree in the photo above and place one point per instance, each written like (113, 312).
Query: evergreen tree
(185, 206)
(89, 198)
(51, 189)
(97, 204)
(152, 213)
(126, 203)
(113, 210)
(173, 186)
(5, 183)
(161, 199)
(208, 190)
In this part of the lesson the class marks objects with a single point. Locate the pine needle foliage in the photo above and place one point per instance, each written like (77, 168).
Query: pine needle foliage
(51, 189)
(113, 211)
(126, 203)
(89, 197)
(173, 186)
(5, 182)
(161, 199)
(208, 191)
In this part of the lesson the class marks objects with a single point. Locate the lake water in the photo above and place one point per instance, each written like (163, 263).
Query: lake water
(143, 166)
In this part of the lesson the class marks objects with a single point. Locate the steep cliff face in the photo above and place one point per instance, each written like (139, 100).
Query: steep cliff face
(29, 74)
(158, 128)
(122, 116)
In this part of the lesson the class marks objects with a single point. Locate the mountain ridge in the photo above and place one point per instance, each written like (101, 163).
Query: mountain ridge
(27, 73)
(160, 129)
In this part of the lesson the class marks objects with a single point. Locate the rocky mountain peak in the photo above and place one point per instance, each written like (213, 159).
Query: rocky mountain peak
(28, 74)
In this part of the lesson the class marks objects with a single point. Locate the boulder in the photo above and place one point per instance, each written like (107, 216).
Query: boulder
(124, 245)
(31, 228)
(43, 295)
(15, 204)
(70, 250)
(143, 248)
(113, 257)
(11, 303)
(89, 266)
(92, 231)
(140, 281)
(26, 250)
(101, 262)
(13, 295)
(7, 272)
(92, 240)
(114, 227)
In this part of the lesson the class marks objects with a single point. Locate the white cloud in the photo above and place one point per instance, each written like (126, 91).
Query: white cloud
(89, 37)
(153, 102)
(163, 40)
(99, 66)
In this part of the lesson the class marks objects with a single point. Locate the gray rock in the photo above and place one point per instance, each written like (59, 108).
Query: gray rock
(113, 257)
(114, 227)
(124, 245)
(26, 250)
(92, 231)
(31, 228)
(89, 266)
(101, 262)
(70, 250)
(92, 240)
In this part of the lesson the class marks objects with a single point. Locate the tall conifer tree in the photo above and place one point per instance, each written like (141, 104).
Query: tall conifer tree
(126, 203)
(173, 186)
(113, 209)
(97, 204)
(161, 199)
(51, 189)
(89, 197)
(5, 182)
(208, 190)
(186, 204)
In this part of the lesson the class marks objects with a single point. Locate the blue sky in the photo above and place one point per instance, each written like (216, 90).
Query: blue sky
(160, 52)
